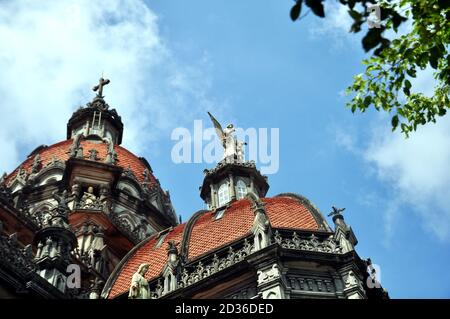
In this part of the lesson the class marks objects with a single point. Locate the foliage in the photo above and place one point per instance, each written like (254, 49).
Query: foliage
(387, 81)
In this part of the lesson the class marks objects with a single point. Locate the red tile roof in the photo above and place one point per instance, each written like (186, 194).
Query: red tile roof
(208, 234)
(61, 151)
(287, 212)
(149, 253)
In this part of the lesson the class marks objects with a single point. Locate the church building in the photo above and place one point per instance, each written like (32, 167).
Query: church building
(86, 218)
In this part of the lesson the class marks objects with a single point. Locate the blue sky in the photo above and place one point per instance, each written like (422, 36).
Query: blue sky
(171, 61)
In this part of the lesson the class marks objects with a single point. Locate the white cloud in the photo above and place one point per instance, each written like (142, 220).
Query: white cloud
(417, 170)
(336, 25)
(53, 52)
(414, 172)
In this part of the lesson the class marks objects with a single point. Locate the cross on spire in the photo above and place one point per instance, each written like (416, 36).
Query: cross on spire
(99, 87)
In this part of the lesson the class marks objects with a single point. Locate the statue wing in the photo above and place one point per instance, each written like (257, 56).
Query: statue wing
(217, 126)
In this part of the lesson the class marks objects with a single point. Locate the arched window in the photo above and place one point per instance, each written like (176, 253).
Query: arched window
(241, 189)
(224, 194)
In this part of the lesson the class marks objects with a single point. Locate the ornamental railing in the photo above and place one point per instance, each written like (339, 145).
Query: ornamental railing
(307, 242)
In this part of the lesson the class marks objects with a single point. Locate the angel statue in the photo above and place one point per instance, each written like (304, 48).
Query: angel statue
(233, 149)
(139, 285)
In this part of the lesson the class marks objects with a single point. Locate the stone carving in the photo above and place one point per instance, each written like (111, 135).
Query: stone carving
(159, 289)
(104, 192)
(93, 155)
(111, 155)
(268, 275)
(55, 162)
(129, 173)
(61, 212)
(311, 284)
(35, 168)
(99, 104)
(146, 174)
(201, 270)
(37, 164)
(125, 227)
(95, 288)
(76, 190)
(172, 248)
(75, 149)
(21, 177)
(13, 255)
(24, 213)
(311, 243)
(240, 150)
(233, 150)
(221, 164)
(351, 280)
(139, 288)
(90, 201)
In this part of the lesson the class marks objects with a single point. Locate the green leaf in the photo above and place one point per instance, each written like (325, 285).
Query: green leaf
(355, 15)
(407, 87)
(397, 19)
(371, 39)
(316, 7)
(434, 57)
(394, 122)
(296, 10)
(367, 101)
(411, 72)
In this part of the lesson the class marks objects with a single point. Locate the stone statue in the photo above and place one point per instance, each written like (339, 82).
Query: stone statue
(89, 199)
(62, 201)
(76, 189)
(146, 174)
(62, 210)
(240, 150)
(172, 251)
(75, 149)
(36, 164)
(22, 175)
(111, 155)
(139, 285)
(232, 148)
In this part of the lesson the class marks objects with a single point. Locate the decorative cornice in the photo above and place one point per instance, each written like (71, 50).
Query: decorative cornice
(224, 163)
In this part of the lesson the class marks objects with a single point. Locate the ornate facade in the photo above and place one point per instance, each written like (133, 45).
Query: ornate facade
(86, 218)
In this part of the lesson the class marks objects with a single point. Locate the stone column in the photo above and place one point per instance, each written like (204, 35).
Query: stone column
(232, 188)
(213, 197)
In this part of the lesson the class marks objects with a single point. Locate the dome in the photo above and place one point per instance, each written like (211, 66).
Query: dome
(60, 152)
(204, 233)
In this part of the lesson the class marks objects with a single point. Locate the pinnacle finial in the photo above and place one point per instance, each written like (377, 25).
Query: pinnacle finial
(336, 211)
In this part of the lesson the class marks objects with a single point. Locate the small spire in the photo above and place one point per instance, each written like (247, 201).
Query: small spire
(336, 211)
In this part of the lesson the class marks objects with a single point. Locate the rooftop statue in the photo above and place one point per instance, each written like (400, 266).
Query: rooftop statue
(139, 285)
(233, 149)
